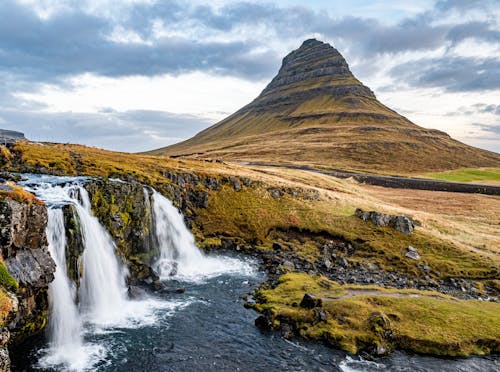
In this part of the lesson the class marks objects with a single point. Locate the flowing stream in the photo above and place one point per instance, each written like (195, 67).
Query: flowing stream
(97, 328)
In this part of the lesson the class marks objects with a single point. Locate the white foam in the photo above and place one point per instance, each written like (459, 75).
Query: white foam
(180, 258)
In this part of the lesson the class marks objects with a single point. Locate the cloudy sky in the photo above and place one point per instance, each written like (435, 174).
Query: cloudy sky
(140, 74)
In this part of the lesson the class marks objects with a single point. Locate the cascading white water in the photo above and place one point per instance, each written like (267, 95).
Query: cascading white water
(64, 323)
(180, 257)
(102, 292)
(102, 299)
(102, 289)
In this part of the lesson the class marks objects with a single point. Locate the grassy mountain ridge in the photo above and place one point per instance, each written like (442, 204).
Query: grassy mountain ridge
(316, 113)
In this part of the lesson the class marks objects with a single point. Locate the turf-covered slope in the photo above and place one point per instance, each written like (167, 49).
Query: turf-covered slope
(315, 112)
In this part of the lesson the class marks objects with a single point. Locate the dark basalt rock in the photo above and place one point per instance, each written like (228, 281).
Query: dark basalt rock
(136, 292)
(400, 223)
(24, 250)
(309, 301)
(124, 209)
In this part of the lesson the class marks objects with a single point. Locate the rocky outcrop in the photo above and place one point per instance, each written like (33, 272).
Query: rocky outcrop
(74, 243)
(10, 136)
(401, 223)
(124, 208)
(29, 270)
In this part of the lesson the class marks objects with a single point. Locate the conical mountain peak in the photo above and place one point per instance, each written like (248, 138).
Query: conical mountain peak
(316, 68)
(312, 60)
(316, 113)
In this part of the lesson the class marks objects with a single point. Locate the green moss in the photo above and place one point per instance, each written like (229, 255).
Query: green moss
(126, 218)
(6, 280)
(423, 322)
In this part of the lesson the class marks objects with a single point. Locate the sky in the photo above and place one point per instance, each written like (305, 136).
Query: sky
(134, 75)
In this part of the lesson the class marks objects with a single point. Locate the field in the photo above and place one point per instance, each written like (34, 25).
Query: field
(475, 175)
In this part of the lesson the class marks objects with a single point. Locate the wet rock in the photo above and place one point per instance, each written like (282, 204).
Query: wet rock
(124, 209)
(381, 350)
(412, 253)
(263, 323)
(159, 286)
(136, 292)
(310, 301)
(7, 176)
(286, 331)
(227, 244)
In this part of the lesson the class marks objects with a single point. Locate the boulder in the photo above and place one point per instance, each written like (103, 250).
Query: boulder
(412, 253)
(263, 323)
(310, 301)
(286, 331)
(403, 224)
(400, 223)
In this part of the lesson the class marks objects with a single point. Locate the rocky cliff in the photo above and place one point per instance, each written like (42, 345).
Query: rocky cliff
(25, 272)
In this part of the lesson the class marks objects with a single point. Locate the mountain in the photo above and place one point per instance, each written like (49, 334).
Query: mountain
(315, 112)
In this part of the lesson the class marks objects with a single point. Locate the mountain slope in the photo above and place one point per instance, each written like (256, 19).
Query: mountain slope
(316, 113)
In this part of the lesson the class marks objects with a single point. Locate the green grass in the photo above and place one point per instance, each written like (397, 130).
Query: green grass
(430, 323)
(467, 175)
(252, 214)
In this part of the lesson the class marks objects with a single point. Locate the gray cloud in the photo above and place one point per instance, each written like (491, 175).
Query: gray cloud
(485, 108)
(452, 73)
(492, 128)
(131, 131)
(72, 42)
(463, 5)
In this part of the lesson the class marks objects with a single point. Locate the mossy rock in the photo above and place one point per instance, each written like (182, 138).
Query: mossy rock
(6, 280)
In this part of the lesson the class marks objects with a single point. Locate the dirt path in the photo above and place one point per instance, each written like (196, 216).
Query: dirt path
(373, 292)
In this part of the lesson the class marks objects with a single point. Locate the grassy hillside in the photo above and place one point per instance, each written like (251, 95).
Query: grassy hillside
(458, 237)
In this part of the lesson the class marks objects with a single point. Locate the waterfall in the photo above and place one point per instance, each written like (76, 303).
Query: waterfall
(103, 289)
(180, 258)
(101, 300)
(64, 323)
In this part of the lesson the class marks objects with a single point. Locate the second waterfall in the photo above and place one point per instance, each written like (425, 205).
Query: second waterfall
(88, 297)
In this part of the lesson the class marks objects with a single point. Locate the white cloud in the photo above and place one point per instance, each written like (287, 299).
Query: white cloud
(195, 93)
